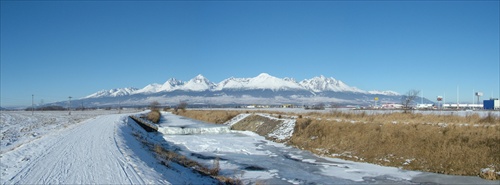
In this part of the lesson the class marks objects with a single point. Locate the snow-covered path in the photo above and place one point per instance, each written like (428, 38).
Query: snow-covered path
(86, 154)
(100, 150)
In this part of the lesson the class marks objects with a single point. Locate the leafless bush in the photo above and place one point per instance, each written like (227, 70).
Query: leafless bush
(408, 98)
(154, 106)
(181, 106)
(214, 171)
(154, 116)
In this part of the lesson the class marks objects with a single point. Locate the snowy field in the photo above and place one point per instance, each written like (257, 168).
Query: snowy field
(100, 147)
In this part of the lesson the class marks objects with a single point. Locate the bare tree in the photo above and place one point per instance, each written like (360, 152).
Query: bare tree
(408, 98)
(182, 105)
(154, 106)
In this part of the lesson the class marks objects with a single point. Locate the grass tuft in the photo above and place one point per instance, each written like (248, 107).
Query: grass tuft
(154, 116)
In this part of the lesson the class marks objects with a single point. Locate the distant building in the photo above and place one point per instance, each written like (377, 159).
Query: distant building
(392, 106)
(462, 106)
(425, 106)
(491, 104)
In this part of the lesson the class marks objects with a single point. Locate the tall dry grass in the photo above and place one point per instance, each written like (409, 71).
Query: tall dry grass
(457, 150)
(154, 116)
(400, 117)
(211, 116)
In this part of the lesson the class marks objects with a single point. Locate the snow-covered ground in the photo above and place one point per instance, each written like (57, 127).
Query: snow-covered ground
(102, 148)
(19, 127)
(99, 150)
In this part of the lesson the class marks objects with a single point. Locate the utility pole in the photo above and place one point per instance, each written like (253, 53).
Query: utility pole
(69, 107)
(458, 104)
(422, 98)
(444, 99)
(32, 104)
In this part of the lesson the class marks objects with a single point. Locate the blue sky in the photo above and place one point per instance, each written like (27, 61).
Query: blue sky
(58, 49)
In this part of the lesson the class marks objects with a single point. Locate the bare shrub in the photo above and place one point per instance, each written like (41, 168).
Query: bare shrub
(302, 124)
(214, 171)
(489, 173)
(154, 116)
(158, 149)
(408, 98)
(182, 106)
(154, 106)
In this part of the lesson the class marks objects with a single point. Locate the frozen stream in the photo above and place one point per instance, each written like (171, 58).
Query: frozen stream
(252, 158)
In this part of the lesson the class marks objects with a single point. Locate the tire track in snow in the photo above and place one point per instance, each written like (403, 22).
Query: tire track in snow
(87, 154)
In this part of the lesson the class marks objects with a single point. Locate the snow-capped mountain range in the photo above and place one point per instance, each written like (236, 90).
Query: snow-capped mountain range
(263, 81)
(262, 89)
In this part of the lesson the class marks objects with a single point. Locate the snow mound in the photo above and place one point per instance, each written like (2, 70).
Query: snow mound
(285, 129)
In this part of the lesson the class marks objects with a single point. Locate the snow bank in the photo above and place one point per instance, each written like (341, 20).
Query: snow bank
(236, 119)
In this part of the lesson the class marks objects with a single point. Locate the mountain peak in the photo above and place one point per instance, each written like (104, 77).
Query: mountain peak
(113, 92)
(198, 83)
(266, 81)
(170, 80)
(264, 75)
(199, 79)
(322, 83)
(199, 76)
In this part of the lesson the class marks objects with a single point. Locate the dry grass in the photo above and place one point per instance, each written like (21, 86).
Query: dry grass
(457, 150)
(212, 116)
(489, 173)
(154, 116)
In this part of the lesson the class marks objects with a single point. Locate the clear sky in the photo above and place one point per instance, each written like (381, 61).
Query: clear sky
(58, 49)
